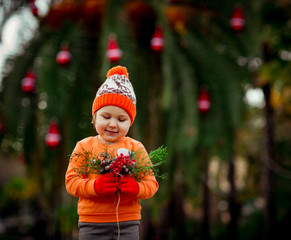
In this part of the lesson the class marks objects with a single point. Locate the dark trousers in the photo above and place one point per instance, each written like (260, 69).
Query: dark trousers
(109, 231)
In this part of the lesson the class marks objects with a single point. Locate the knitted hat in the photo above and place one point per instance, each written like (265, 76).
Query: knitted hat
(117, 91)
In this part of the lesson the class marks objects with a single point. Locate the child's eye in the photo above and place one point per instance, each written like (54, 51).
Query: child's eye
(121, 119)
(106, 117)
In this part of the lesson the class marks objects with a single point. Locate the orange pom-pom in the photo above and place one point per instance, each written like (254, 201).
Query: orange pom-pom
(117, 70)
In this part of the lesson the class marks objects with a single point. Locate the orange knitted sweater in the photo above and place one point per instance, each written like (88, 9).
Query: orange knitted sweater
(97, 209)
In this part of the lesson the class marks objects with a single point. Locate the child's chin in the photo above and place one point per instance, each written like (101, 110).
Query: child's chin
(112, 139)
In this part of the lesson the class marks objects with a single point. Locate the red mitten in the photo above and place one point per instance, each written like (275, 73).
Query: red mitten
(129, 186)
(106, 185)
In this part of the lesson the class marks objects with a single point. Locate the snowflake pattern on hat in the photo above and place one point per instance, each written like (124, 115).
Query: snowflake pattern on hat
(119, 84)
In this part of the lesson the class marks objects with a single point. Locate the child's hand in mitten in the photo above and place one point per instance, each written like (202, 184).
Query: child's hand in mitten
(129, 186)
(106, 185)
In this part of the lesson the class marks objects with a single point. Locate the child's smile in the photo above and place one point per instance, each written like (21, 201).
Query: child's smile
(110, 133)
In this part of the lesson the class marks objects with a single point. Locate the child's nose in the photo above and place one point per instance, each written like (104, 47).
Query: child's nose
(112, 123)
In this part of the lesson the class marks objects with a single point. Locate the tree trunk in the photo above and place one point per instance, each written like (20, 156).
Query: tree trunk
(268, 176)
(173, 215)
(233, 207)
(206, 198)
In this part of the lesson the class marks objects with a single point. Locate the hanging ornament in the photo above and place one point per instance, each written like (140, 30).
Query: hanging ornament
(28, 83)
(33, 8)
(53, 136)
(113, 52)
(237, 21)
(64, 57)
(157, 41)
(203, 100)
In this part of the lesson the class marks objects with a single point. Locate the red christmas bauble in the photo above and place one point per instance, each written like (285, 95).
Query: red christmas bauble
(157, 41)
(33, 8)
(113, 52)
(204, 101)
(237, 21)
(28, 83)
(53, 136)
(64, 57)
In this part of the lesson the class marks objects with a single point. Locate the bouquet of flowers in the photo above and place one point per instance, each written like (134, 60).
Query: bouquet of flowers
(126, 163)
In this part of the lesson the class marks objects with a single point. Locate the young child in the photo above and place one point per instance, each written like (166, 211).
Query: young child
(113, 110)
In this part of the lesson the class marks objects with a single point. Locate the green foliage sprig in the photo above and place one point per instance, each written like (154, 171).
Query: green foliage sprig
(132, 164)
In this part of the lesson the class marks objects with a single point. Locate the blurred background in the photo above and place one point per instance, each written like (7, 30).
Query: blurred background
(213, 84)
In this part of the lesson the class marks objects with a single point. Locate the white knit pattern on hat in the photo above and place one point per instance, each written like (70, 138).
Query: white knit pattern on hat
(119, 84)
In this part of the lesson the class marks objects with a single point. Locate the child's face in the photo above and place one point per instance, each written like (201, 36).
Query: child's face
(111, 123)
